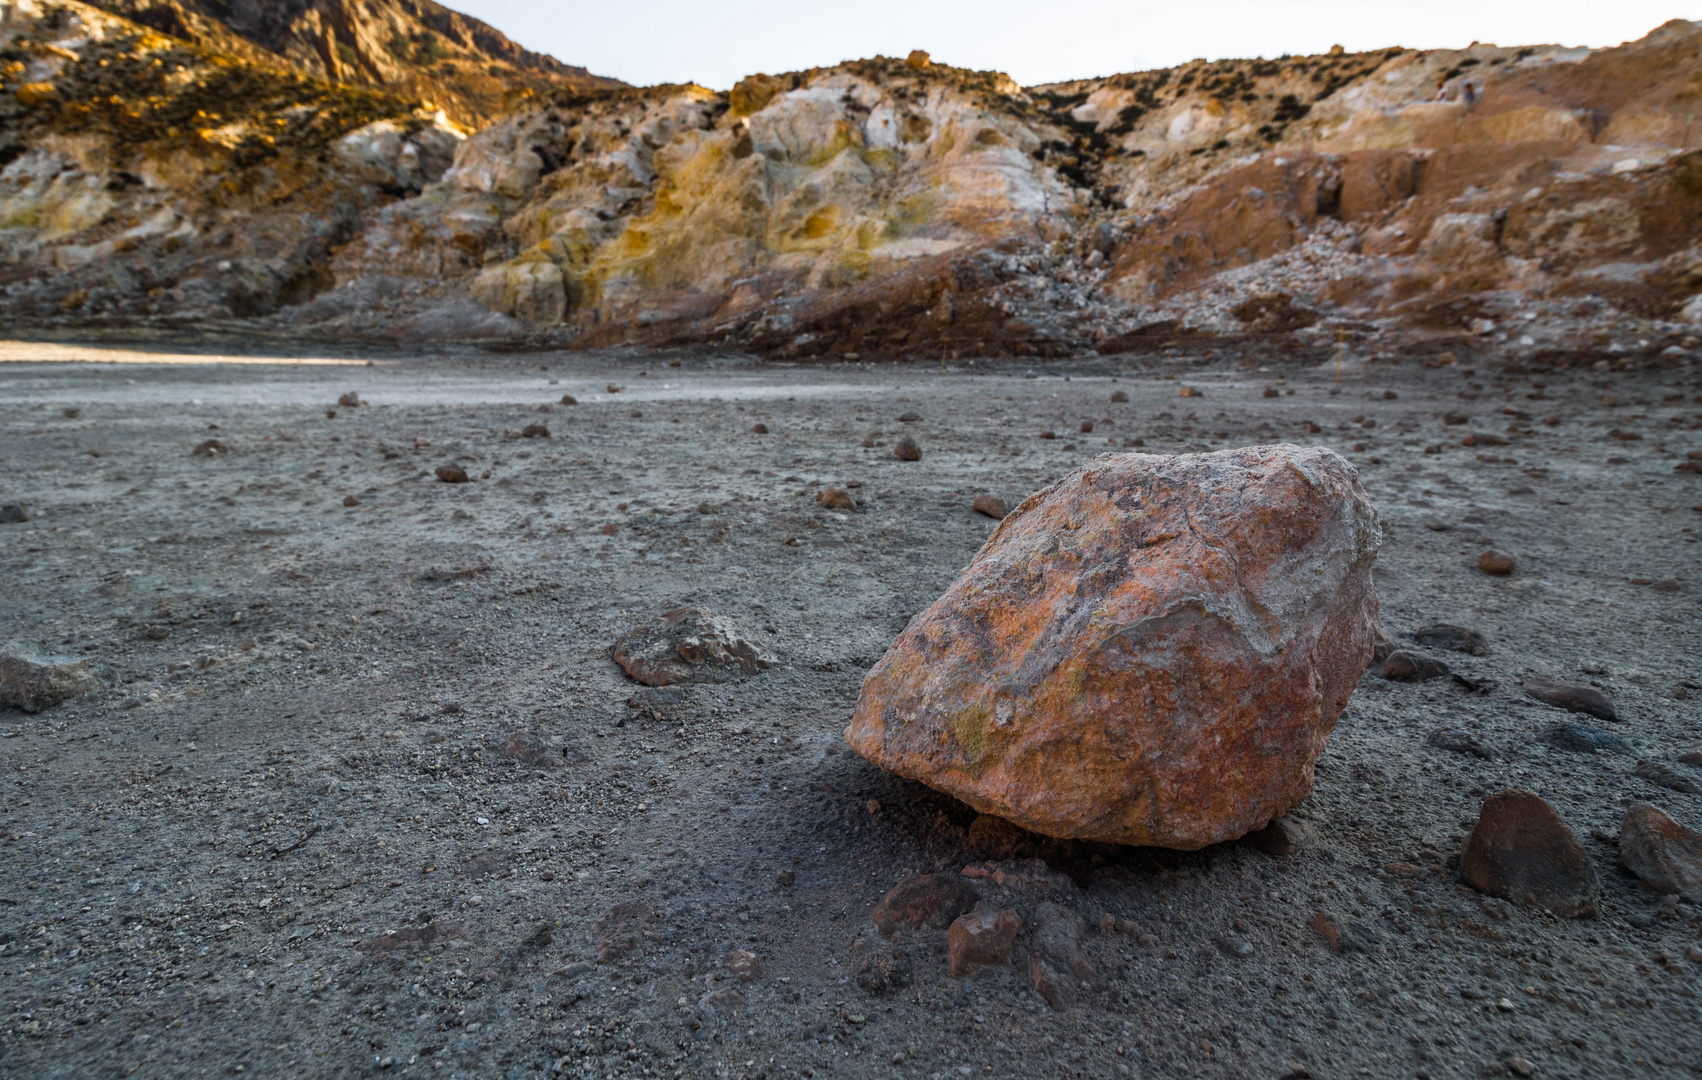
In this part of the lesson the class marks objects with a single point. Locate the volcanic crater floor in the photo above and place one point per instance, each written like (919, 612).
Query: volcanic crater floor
(361, 791)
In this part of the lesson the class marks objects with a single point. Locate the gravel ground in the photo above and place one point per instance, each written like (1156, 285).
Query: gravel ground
(362, 792)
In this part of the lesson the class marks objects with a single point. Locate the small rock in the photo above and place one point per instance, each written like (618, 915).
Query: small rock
(905, 449)
(759, 429)
(1057, 937)
(1460, 742)
(1403, 666)
(1691, 757)
(743, 965)
(350, 400)
(1518, 1066)
(785, 877)
(1119, 396)
(569, 399)
(32, 682)
(1087, 427)
(1190, 392)
(1656, 773)
(931, 900)
(622, 930)
(1453, 638)
(1271, 391)
(981, 937)
(1584, 739)
(909, 418)
(991, 506)
(350, 500)
(1048, 435)
(1664, 855)
(1234, 944)
(613, 388)
(836, 499)
(1052, 983)
(1573, 697)
(1280, 839)
(689, 645)
(210, 448)
(1498, 563)
(452, 474)
(1360, 937)
(14, 514)
(534, 431)
(1521, 851)
(885, 970)
(1383, 647)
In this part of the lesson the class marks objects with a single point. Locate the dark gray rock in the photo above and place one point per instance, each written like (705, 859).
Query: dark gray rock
(689, 645)
(1574, 697)
(1585, 739)
(1404, 666)
(32, 682)
(1460, 742)
(1665, 856)
(1452, 638)
(1521, 851)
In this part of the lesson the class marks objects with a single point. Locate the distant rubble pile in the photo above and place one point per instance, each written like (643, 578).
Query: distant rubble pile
(1539, 203)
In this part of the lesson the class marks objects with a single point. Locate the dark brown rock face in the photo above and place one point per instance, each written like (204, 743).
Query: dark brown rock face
(1664, 854)
(688, 645)
(1521, 851)
(932, 900)
(1153, 650)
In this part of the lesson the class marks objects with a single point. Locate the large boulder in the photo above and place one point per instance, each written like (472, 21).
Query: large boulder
(1153, 650)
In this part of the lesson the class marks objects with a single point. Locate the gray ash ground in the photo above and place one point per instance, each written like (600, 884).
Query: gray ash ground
(362, 781)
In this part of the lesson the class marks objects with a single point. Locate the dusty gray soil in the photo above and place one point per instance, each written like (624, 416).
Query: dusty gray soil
(348, 763)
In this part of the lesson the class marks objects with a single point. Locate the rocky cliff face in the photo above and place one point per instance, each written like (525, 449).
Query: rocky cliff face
(145, 177)
(412, 48)
(1541, 199)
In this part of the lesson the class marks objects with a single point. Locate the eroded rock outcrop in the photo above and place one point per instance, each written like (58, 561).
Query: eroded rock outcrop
(1152, 650)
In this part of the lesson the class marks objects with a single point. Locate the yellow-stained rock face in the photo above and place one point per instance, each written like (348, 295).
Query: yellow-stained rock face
(1151, 651)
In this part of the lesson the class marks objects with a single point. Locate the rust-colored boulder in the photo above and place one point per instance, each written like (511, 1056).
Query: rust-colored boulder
(1521, 851)
(1665, 856)
(688, 645)
(1153, 650)
(981, 937)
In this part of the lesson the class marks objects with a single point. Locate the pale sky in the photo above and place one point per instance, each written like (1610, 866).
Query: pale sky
(718, 43)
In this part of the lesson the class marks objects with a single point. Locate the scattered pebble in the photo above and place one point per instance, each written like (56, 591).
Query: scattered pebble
(534, 431)
(14, 514)
(350, 500)
(1665, 855)
(569, 399)
(1280, 839)
(905, 449)
(210, 448)
(990, 505)
(1119, 396)
(1453, 638)
(1656, 773)
(1584, 739)
(1498, 563)
(981, 937)
(350, 400)
(1572, 697)
(1404, 666)
(834, 498)
(1460, 742)
(452, 474)
(759, 429)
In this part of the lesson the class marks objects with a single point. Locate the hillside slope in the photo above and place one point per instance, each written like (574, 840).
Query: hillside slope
(147, 177)
(1538, 200)
(413, 48)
